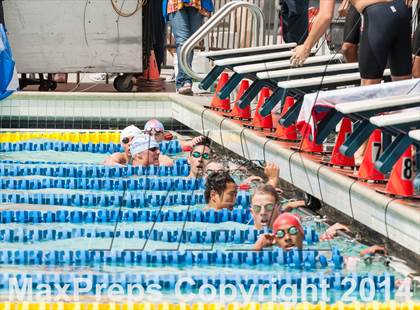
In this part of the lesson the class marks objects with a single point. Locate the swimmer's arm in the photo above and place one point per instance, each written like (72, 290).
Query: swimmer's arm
(321, 23)
(272, 171)
(350, 262)
(165, 160)
(190, 143)
(289, 206)
(332, 231)
(113, 160)
(374, 249)
(264, 241)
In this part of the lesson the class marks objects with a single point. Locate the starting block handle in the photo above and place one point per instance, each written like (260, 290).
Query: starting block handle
(250, 94)
(270, 103)
(386, 140)
(234, 80)
(327, 125)
(357, 137)
(211, 77)
(292, 114)
(392, 153)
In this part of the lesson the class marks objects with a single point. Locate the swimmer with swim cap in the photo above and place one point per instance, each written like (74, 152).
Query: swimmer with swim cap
(155, 129)
(124, 158)
(145, 151)
(287, 233)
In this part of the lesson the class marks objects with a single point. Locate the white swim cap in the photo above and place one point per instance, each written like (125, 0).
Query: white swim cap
(141, 143)
(129, 131)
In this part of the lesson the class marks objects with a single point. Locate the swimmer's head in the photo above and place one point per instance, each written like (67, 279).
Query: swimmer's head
(213, 166)
(126, 136)
(265, 206)
(221, 191)
(145, 151)
(155, 129)
(288, 231)
(199, 157)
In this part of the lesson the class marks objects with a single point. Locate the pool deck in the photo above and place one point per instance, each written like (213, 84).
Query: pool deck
(396, 219)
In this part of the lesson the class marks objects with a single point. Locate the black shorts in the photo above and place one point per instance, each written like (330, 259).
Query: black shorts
(416, 42)
(352, 26)
(385, 37)
(294, 16)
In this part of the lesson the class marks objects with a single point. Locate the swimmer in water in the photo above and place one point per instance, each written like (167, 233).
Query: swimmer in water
(124, 158)
(145, 151)
(220, 192)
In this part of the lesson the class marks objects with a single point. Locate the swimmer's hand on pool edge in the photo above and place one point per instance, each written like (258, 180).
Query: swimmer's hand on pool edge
(291, 205)
(374, 249)
(331, 231)
(264, 241)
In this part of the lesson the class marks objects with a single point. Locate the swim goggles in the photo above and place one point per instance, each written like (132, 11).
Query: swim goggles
(126, 140)
(292, 230)
(198, 155)
(154, 131)
(210, 171)
(269, 207)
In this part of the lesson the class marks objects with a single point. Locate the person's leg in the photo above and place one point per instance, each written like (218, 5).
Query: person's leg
(350, 52)
(400, 59)
(159, 32)
(195, 21)
(376, 41)
(416, 53)
(181, 32)
(284, 21)
(416, 67)
(351, 35)
(373, 53)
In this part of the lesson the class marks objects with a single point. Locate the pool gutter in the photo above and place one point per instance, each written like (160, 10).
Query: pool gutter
(388, 216)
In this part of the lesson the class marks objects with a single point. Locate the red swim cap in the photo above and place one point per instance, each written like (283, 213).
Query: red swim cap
(244, 187)
(288, 219)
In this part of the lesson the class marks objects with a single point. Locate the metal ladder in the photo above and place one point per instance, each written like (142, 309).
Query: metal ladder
(212, 22)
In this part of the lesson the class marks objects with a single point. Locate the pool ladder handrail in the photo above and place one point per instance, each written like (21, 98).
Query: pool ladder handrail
(212, 22)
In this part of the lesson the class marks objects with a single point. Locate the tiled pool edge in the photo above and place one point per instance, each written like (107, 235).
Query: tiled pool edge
(385, 215)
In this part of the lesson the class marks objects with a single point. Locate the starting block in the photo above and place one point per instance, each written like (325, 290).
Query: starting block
(300, 73)
(317, 84)
(228, 59)
(361, 111)
(250, 71)
(398, 124)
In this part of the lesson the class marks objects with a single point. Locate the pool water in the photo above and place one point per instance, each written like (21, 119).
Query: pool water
(347, 247)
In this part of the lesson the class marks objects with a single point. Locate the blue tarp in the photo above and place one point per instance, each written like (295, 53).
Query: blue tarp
(8, 77)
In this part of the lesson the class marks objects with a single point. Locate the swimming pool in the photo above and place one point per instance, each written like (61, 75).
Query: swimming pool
(155, 234)
(66, 218)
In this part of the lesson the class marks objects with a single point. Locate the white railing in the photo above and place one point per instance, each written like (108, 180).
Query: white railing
(207, 27)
